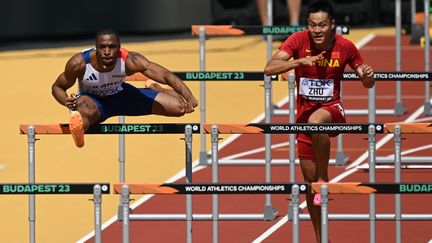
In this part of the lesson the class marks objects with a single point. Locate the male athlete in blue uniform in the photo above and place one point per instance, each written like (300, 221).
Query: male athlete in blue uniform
(101, 72)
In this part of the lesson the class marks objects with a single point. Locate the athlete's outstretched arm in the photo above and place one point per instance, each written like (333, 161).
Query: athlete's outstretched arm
(281, 63)
(74, 68)
(366, 74)
(137, 63)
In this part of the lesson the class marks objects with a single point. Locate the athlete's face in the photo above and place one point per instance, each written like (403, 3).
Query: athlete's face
(320, 28)
(107, 47)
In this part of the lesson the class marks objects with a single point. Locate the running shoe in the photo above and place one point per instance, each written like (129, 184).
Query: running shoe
(76, 127)
(317, 196)
(317, 199)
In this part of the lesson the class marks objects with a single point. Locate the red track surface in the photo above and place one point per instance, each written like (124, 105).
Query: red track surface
(376, 53)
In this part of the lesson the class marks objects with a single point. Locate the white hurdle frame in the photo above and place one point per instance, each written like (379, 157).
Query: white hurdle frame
(97, 193)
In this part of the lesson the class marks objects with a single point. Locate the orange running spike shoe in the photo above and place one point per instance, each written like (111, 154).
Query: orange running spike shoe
(317, 196)
(317, 199)
(76, 127)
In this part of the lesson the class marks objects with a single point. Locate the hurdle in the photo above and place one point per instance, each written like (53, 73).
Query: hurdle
(32, 189)
(223, 129)
(199, 188)
(203, 31)
(410, 128)
(371, 111)
(286, 188)
(114, 128)
(371, 188)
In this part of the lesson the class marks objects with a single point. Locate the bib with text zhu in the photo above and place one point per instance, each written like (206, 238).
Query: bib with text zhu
(316, 89)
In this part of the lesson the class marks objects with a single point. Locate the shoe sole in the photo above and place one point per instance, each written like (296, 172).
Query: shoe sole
(76, 127)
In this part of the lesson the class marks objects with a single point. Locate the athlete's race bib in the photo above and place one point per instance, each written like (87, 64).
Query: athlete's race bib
(316, 89)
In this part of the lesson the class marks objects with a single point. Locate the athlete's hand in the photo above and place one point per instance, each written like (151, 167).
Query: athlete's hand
(71, 102)
(310, 61)
(366, 73)
(191, 103)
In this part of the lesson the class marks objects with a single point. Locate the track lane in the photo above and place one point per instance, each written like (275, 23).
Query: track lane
(241, 231)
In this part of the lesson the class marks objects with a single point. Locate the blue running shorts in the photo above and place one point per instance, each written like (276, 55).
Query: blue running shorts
(131, 101)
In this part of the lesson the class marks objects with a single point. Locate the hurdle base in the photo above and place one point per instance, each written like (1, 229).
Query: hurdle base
(270, 213)
(195, 217)
(399, 109)
(405, 160)
(341, 158)
(366, 217)
(203, 158)
(260, 162)
(427, 108)
(260, 217)
(350, 112)
(120, 213)
(290, 212)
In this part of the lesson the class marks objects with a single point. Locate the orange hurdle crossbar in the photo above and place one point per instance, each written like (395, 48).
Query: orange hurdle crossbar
(410, 128)
(115, 128)
(251, 128)
(275, 188)
(257, 128)
(175, 128)
(200, 188)
(235, 30)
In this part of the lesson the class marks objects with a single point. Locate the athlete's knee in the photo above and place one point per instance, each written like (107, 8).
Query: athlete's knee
(88, 108)
(320, 116)
(310, 177)
(315, 120)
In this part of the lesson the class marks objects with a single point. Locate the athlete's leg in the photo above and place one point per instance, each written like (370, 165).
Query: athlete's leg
(314, 167)
(262, 11)
(89, 111)
(294, 9)
(168, 103)
(321, 143)
(308, 168)
(85, 114)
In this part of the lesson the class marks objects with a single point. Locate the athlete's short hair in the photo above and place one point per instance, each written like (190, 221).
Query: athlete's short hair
(108, 32)
(321, 6)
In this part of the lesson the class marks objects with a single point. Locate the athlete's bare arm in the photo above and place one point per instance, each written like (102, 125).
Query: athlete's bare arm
(74, 68)
(137, 63)
(281, 63)
(366, 74)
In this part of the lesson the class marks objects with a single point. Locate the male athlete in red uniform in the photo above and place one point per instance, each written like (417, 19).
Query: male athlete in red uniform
(319, 57)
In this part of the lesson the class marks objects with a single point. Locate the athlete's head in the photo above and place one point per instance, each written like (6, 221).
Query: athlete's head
(107, 47)
(321, 22)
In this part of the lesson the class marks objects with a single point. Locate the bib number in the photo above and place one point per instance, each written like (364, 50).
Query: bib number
(316, 89)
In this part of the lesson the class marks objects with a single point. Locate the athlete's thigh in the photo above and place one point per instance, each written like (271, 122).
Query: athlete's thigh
(88, 108)
(321, 115)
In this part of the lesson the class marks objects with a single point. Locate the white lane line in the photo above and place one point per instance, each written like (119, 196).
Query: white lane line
(425, 119)
(254, 151)
(413, 150)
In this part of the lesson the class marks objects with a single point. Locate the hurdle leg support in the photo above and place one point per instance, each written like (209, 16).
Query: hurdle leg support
(97, 201)
(31, 137)
(125, 219)
(270, 213)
